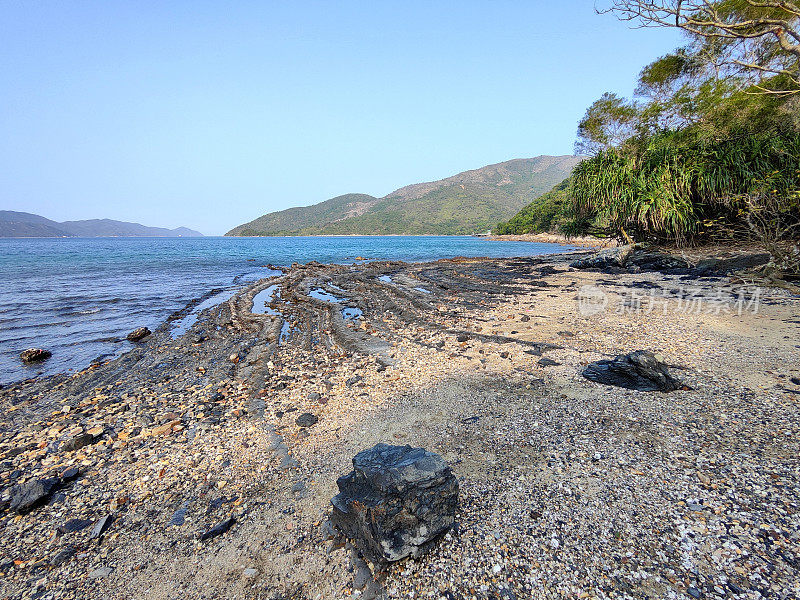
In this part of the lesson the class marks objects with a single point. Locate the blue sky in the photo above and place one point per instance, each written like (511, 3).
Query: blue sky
(209, 114)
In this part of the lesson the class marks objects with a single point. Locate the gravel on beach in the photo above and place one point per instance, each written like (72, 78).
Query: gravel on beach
(203, 466)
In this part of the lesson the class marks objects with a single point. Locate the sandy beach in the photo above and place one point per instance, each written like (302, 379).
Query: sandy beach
(180, 469)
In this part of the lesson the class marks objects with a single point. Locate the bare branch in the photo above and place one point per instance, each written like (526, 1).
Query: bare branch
(769, 30)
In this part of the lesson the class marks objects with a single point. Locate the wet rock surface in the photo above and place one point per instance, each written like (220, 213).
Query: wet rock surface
(138, 334)
(32, 355)
(640, 370)
(395, 502)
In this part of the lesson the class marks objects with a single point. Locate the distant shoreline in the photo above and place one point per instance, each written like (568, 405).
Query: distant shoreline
(554, 238)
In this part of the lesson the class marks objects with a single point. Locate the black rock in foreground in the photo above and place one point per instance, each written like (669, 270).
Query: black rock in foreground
(639, 370)
(27, 496)
(395, 502)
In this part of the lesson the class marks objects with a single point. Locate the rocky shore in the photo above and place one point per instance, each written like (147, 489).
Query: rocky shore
(557, 238)
(202, 465)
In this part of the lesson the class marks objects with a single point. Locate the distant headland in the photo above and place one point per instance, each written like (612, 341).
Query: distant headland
(15, 224)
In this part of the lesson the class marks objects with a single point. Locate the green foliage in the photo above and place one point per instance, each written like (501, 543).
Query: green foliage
(711, 147)
(681, 186)
(545, 214)
(751, 41)
(608, 122)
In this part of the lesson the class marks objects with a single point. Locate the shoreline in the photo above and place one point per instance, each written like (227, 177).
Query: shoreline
(114, 352)
(556, 238)
(38, 320)
(177, 436)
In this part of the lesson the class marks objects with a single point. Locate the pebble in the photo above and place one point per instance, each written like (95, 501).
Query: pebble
(100, 573)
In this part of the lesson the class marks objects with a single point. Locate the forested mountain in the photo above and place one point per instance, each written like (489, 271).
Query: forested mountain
(469, 202)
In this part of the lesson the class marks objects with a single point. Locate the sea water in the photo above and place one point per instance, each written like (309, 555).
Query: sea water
(80, 297)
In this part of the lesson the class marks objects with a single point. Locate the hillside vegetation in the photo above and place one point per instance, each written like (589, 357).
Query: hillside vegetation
(707, 151)
(546, 214)
(469, 202)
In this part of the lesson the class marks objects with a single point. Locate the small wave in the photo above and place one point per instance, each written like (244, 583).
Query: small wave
(36, 326)
(103, 340)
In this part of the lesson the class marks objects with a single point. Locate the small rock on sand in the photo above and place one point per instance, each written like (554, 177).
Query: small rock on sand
(218, 529)
(100, 573)
(548, 362)
(640, 370)
(306, 420)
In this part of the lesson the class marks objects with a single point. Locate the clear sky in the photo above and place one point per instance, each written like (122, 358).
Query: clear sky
(209, 114)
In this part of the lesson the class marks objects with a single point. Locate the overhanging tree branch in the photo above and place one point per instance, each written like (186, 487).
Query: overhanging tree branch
(768, 29)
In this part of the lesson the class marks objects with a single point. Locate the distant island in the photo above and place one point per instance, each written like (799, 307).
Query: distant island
(469, 202)
(15, 224)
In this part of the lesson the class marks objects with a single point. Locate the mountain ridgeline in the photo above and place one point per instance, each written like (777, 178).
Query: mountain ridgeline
(15, 224)
(470, 202)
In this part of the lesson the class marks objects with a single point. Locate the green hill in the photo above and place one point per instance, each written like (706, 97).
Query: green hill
(470, 202)
(544, 214)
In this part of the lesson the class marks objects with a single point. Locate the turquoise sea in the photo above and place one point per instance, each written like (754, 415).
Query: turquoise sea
(79, 297)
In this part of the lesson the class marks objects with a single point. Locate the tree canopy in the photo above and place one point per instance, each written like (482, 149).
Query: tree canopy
(755, 40)
(708, 146)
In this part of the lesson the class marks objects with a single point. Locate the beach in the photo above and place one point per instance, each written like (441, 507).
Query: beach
(184, 468)
(557, 238)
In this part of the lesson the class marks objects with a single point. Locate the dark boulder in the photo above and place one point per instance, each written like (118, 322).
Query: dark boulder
(73, 525)
(396, 502)
(78, 441)
(70, 474)
(62, 556)
(34, 355)
(655, 261)
(640, 370)
(27, 496)
(712, 267)
(138, 334)
(306, 420)
(608, 258)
